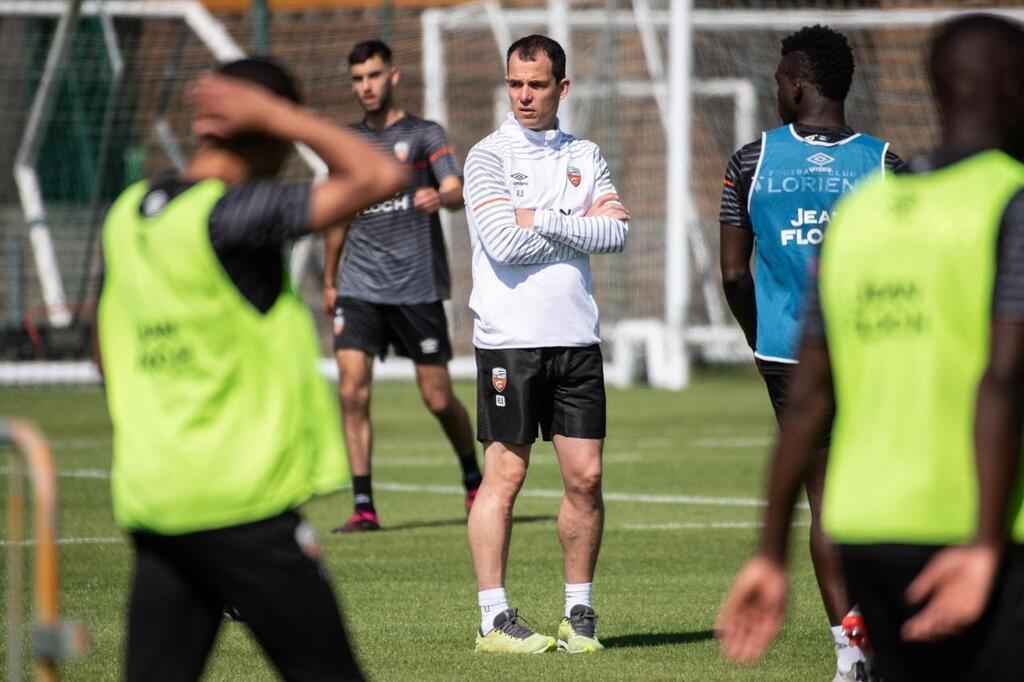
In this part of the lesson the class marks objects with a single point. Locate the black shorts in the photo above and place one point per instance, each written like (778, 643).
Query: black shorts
(777, 377)
(268, 572)
(877, 577)
(417, 331)
(560, 389)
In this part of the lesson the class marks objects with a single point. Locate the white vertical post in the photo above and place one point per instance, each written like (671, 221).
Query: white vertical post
(432, 59)
(560, 30)
(679, 205)
(26, 178)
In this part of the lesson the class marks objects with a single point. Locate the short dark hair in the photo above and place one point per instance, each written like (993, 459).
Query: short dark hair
(265, 72)
(367, 50)
(528, 46)
(829, 59)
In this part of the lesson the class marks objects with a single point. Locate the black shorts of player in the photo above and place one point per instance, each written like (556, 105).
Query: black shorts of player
(266, 572)
(777, 377)
(877, 577)
(417, 331)
(559, 389)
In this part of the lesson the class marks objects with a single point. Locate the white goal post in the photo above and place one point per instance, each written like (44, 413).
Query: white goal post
(671, 85)
(671, 38)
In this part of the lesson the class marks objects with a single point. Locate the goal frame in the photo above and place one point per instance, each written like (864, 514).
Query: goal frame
(665, 342)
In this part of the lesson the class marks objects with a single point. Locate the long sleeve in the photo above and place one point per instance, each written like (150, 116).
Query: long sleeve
(586, 235)
(489, 207)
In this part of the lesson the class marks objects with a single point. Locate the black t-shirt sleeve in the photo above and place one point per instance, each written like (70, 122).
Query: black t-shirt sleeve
(1008, 290)
(440, 153)
(893, 163)
(260, 213)
(739, 178)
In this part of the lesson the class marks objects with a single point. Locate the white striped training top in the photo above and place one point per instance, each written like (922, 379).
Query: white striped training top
(532, 288)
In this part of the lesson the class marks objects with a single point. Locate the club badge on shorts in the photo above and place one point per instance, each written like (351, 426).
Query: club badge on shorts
(499, 379)
(339, 321)
(574, 176)
(402, 151)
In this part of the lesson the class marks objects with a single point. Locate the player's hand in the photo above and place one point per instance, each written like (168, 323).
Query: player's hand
(427, 199)
(330, 299)
(753, 611)
(608, 206)
(954, 587)
(524, 218)
(227, 106)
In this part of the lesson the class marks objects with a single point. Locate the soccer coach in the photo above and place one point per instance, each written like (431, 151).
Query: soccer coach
(222, 425)
(918, 328)
(538, 201)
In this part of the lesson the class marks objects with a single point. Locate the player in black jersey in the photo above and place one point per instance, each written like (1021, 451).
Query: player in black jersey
(814, 77)
(394, 278)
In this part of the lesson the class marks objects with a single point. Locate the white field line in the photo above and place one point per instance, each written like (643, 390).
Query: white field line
(112, 540)
(429, 446)
(609, 496)
(758, 442)
(713, 525)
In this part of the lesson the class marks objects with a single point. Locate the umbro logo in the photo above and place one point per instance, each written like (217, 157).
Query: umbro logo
(518, 176)
(820, 159)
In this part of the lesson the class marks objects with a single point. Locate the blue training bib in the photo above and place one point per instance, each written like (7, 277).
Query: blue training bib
(796, 183)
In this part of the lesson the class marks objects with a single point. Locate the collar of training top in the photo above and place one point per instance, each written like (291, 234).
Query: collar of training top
(542, 137)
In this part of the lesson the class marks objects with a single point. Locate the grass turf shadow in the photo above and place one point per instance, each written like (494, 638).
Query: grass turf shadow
(657, 639)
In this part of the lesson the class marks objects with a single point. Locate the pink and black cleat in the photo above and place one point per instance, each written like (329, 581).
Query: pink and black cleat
(360, 521)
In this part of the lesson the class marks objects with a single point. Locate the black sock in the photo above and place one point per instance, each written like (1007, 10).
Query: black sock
(471, 476)
(363, 493)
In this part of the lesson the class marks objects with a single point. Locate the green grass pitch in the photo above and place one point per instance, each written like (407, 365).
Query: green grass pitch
(408, 593)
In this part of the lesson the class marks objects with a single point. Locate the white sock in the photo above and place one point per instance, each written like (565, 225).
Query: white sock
(577, 593)
(847, 654)
(492, 602)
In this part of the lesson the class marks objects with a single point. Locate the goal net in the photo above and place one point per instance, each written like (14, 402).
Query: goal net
(116, 113)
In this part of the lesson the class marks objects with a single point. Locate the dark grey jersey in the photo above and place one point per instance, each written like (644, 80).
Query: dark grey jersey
(394, 253)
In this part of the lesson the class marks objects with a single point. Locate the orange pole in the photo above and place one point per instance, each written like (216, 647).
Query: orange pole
(36, 453)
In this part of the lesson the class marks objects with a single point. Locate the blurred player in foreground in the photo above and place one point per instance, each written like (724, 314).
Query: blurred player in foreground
(777, 203)
(394, 279)
(539, 201)
(920, 334)
(222, 425)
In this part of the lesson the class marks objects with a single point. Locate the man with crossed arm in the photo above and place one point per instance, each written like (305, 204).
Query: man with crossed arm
(539, 201)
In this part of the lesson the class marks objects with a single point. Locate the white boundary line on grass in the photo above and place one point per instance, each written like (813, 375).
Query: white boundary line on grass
(68, 541)
(419, 445)
(609, 496)
(712, 525)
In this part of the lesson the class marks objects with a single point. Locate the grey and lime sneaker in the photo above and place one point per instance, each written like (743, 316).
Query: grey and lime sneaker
(511, 635)
(577, 634)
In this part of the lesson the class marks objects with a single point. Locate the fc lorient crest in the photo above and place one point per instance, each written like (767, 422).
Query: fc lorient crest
(402, 151)
(574, 176)
(499, 379)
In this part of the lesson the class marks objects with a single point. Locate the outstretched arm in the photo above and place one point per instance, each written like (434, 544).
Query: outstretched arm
(756, 605)
(956, 584)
